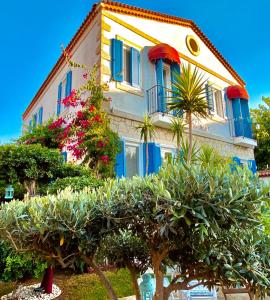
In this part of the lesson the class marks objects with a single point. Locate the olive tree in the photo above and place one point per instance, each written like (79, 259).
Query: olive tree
(60, 228)
(181, 209)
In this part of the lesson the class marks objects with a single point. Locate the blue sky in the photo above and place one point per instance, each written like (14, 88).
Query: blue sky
(31, 32)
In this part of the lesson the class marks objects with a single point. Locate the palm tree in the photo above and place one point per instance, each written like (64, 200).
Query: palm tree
(189, 97)
(147, 130)
(177, 127)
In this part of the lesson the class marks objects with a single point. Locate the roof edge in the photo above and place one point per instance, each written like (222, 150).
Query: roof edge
(87, 21)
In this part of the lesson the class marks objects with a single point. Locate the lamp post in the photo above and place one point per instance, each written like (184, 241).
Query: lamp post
(9, 192)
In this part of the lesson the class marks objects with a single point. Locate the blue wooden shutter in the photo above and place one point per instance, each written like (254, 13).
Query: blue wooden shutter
(40, 115)
(30, 125)
(209, 97)
(154, 158)
(68, 83)
(175, 73)
(160, 86)
(135, 67)
(64, 154)
(246, 120)
(236, 106)
(252, 166)
(117, 59)
(59, 97)
(35, 120)
(120, 165)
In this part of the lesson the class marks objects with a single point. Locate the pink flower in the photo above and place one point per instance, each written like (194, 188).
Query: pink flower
(97, 118)
(105, 159)
(82, 103)
(109, 99)
(85, 75)
(57, 124)
(80, 114)
(80, 134)
(85, 124)
(100, 144)
(72, 99)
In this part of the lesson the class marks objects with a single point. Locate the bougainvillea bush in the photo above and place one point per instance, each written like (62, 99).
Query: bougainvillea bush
(86, 133)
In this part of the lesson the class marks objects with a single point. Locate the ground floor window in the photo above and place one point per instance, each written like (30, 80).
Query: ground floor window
(132, 160)
(167, 154)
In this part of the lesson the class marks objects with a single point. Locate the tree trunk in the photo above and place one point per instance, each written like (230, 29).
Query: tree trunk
(189, 117)
(146, 158)
(30, 187)
(134, 276)
(102, 278)
(156, 263)
(47, 280)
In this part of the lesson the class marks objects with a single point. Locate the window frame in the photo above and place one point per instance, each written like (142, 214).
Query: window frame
(215, 88)
(124, 85)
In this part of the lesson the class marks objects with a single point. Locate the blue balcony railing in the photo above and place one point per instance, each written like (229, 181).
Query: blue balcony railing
(241, 127)
(157, 98)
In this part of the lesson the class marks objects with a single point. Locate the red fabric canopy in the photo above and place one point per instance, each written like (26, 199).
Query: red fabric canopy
(164, 51)
(237, 91)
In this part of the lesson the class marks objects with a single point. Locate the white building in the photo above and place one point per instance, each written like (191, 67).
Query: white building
(136, 51)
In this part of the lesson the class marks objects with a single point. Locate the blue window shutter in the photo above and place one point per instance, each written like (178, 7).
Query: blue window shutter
(252, 165)
(135, 67)
(68, 83)
(30, 125)
(246, 120)
(209, 97)
(117, 59)
(64, 154)
(120, 165)
(35, 120)
(40, 115)
(59, 97)
(160, 86)
(237, 115)
(175, 73)
(154, 158)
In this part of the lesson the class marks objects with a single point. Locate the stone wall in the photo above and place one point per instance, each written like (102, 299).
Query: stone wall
(127, 128)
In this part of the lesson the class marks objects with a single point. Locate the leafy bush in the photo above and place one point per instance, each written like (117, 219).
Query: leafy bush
(14, 266)
(75, 183)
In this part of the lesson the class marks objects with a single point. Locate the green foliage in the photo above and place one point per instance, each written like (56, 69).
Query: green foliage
(178, 127)
(184, 215)
(147, 129)
(189, 93)
(189, 97)
(20, 163)
(126, 250)
(15, 266)
(261, 128)
(41, 134)
(77, 183)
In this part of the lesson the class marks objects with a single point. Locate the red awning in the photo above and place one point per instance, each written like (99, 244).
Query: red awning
(164, 51)
(237, 91)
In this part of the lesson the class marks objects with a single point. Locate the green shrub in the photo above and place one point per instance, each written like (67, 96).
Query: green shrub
(76, 183)
(14, 266)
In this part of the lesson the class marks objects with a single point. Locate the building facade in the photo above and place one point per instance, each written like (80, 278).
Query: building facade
(137, 53)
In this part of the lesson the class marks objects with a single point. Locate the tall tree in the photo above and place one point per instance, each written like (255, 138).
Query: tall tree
(261, 128)
(189, 97)
(147, 130)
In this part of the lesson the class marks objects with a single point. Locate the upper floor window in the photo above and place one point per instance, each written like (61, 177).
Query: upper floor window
(64, 90)
(125, 63)
(215, 100)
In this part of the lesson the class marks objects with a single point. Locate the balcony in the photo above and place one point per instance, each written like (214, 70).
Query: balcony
(240, 130)
(157, 107)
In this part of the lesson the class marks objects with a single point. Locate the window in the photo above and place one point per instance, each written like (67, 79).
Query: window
(215, 100)
(132, 160)
(218, 103)
(126, 64)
